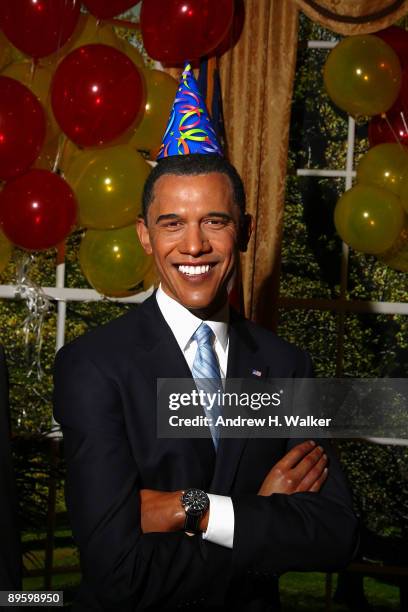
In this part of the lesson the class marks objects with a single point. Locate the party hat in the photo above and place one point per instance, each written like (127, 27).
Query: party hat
(189, 129)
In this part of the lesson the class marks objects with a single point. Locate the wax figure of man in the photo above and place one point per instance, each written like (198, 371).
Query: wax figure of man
(265, 506)
(10, 554)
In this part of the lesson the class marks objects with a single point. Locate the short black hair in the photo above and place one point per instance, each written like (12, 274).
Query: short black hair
(192, 165)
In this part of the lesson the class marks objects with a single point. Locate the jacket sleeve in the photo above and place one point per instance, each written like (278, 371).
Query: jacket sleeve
(298, 532)
(126, 569)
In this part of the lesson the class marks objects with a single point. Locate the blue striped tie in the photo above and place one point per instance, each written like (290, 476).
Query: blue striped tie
(206, 373)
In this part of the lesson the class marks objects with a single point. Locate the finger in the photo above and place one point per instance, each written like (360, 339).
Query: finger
(313, 474)
(307, 464)
(295, 455)
(319, 482)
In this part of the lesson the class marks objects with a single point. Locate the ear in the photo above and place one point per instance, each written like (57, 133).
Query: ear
(144, 236)
(245, 232)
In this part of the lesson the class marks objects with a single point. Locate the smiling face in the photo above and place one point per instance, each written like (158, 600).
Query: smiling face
(192, 231)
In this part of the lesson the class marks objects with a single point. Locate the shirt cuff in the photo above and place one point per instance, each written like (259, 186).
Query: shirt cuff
(221, 521)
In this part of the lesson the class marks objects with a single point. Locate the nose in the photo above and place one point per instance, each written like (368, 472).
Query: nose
(194, 242)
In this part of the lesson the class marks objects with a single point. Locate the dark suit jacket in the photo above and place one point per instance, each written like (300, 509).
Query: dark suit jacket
(10, 556)
(105, 400)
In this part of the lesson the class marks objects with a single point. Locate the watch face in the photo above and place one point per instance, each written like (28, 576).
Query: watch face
(195, 501)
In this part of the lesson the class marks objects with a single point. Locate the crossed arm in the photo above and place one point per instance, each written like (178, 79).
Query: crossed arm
(302, 469)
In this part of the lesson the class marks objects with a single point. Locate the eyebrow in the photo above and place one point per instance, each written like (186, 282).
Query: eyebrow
(169, 216)
(225, 216)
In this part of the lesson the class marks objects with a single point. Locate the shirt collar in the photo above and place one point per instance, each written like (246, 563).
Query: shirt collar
(184, 323)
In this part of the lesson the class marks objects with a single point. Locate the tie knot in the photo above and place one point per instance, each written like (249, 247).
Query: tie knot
(203, 335)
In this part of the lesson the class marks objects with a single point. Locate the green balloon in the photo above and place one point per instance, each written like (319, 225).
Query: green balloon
(369, 219)
(384, 166)
(362, 75)
(113, 261)
(5, 252)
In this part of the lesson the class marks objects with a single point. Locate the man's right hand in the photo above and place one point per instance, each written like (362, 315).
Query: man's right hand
(302, 469)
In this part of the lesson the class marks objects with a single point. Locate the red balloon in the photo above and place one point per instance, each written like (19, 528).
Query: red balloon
(390, 127)
(22, 128)
(175, 31)
(234, 33)
(105, 9)
(397, 39)
(39, 27)
(97, 92)
(37, 210)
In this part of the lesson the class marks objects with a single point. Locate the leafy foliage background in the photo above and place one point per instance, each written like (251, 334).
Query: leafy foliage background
(374, 345)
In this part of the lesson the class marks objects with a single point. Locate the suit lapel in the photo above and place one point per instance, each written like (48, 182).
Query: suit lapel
(166, 360)
(243, 362)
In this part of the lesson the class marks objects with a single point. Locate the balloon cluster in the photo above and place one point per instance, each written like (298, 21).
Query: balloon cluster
(367, 76)
(76, 110)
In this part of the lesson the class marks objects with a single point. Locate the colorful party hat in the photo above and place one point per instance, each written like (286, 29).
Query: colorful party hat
(189, 129)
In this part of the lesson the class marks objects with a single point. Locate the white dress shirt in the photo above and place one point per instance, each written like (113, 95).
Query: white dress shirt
(184, 324)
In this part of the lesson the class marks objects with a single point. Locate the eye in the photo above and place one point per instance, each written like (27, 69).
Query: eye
(216, 222)
(175, 224)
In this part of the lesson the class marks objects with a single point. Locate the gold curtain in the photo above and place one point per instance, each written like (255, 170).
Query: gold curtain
(257, 79)
(257, 82)
(349, 17)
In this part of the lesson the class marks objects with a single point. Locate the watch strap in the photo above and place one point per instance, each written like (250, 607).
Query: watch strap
(192, 523)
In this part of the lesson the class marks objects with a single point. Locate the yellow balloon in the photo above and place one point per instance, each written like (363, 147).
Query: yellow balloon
(403, 191)
(6, 52)
(48, 155)
(60, 150)
(88, 31)
(397, 256)
(108, 184)
(161, 91)
(113, 261)
(362, 75)
(68, 154)
(6, 249)
(130, 50)
(151, 278)
(38, 79)
(369, 219)
(384, 166)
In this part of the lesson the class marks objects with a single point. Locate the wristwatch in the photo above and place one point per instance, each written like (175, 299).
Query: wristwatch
(195, 503)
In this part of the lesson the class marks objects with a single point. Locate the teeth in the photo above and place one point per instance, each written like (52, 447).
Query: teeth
(194, 270)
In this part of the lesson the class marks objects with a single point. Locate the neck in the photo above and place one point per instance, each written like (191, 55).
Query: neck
(209, 311)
